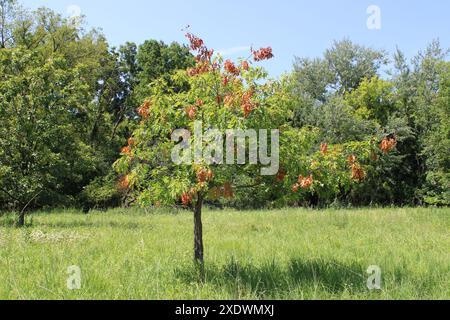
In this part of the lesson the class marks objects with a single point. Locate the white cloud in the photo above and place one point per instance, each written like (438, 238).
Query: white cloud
(232, 51)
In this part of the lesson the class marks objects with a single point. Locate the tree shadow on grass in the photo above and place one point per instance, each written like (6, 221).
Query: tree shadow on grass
(273, 280)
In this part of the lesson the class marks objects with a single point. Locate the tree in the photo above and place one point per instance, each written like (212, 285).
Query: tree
(373, 99)
(222, 96)
(421, 97)
(344, 66)
(42, 151)
(433, 118)
(8, 11)
(336, 120)
(176, 156)
(155, 59)
(314, 78)
(81, 109)
(351, 63)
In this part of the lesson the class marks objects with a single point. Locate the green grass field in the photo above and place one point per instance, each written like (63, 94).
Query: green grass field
(285, 254)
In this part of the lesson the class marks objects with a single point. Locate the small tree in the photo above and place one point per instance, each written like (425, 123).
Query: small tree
(176, 157)
(39, 135)
(211, 98)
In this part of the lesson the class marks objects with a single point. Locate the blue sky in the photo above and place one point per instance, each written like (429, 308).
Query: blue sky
(291, 27)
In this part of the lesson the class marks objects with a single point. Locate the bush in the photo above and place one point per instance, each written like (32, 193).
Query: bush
(101, 193)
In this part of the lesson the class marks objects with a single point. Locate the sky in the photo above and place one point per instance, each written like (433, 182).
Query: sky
(291, 27)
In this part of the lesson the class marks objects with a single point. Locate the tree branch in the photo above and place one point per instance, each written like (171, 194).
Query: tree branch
(9, 195)
(29, 202)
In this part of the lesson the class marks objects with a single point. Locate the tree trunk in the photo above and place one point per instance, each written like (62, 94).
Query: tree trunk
(198, 232)
(21, 219)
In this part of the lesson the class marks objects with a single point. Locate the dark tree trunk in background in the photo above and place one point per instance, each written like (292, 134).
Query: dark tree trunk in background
(198, 233)
(21, 219)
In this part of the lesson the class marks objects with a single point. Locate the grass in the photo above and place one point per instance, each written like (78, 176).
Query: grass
(285, 254)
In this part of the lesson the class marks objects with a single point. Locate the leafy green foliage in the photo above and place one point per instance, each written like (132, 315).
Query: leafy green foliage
(68, 104)
(412, 108)
(151, 171)
(342, 69)
(155, 59)
(55, 126)
(102, 193)
(373, 100)
(437, 145)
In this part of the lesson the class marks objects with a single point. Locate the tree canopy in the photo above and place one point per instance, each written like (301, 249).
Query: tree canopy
(357, 126)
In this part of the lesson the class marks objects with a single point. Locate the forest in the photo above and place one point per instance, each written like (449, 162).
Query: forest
(83, 124)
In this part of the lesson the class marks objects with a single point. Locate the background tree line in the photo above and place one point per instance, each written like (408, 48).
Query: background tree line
(68, 104)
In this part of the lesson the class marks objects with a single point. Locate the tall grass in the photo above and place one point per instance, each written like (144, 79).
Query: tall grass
(284, 254)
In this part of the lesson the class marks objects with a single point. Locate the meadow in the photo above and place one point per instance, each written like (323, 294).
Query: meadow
(281, 254)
